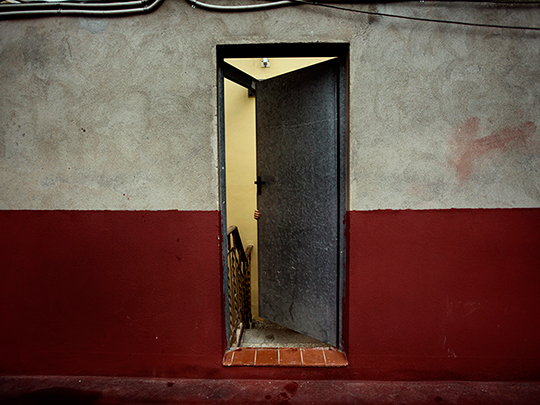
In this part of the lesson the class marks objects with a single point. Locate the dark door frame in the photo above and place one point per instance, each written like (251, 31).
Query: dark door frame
(295, 50)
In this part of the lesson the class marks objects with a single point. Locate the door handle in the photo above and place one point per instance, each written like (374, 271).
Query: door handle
(259, 184)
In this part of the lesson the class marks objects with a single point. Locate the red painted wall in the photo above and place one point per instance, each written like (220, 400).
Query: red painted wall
(445, 294)
(439, 294)
(109, 292)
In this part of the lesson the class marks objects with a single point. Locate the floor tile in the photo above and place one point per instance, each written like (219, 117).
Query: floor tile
(227, 359)
(244, 357)
(313, 357)
(290, 357)
(266, 357)
(285, 357)
(335, 358)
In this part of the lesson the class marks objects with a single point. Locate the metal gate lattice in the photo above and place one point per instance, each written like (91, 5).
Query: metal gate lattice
(239, 275)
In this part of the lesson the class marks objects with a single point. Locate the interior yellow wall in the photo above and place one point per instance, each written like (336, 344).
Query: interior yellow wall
(240, 152)
(240, 172)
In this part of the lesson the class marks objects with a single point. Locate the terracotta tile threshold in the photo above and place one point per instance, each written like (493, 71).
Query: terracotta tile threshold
(285, 357)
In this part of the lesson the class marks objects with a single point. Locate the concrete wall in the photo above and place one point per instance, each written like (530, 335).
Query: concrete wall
(109, 191)
(449, 113)
(122, 106)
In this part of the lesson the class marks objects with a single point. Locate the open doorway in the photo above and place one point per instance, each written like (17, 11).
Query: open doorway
(282, 135)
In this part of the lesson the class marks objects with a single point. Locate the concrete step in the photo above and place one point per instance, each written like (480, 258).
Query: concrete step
(264, 333)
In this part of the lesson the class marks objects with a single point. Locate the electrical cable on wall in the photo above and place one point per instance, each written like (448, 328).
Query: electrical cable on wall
(213, 7)
(247, 7)
(420, 18)
(21, 8)
(74, 8)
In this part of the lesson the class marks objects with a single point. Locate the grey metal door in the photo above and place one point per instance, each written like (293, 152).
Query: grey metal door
(297, 158)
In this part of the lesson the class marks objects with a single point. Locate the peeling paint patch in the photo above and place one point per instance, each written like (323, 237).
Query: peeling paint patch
(466, 147)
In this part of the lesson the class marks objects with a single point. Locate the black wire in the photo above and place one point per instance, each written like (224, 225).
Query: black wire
(515, 3)
(314, 3)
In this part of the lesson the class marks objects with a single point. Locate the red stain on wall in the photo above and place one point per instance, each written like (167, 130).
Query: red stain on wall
(466, 147)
